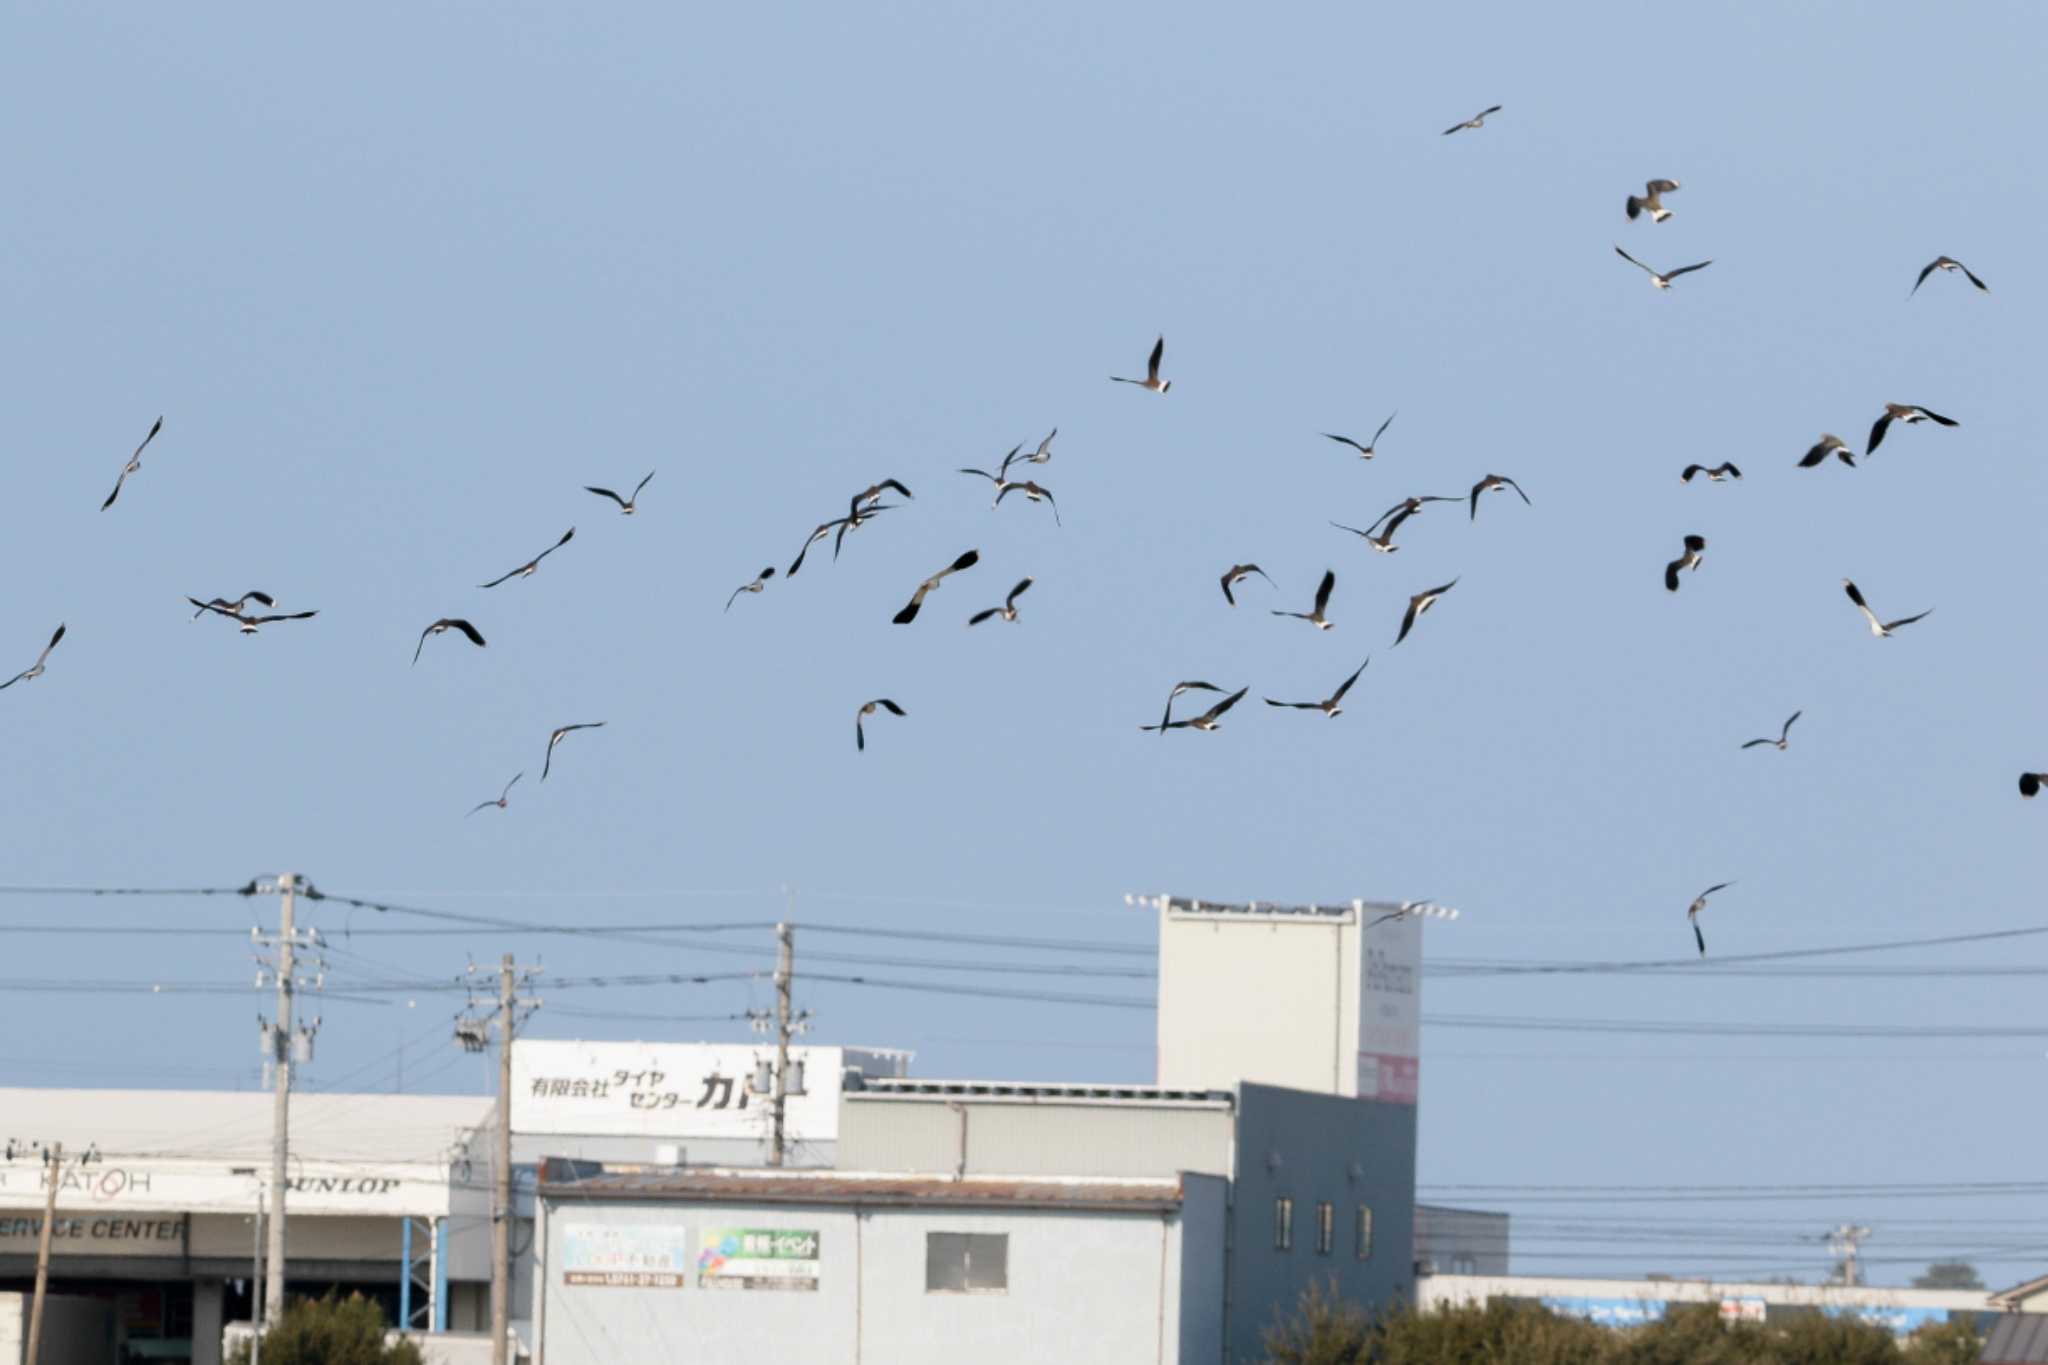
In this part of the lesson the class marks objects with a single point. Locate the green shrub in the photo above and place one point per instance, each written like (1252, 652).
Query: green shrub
(331, 1331)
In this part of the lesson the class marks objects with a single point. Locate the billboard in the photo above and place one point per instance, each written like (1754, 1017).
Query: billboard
(1390, 1008)
(758, 1258)
(675, 1090)
(625, 1256)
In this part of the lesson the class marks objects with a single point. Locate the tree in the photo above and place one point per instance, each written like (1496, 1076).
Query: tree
(331, 1331)
(1954, 1342)
(1949, 1275)
(1325, 1330)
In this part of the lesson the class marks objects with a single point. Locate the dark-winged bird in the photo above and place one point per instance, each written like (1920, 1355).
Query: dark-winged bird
(35, 670)
(1008, 611)
(910, 608)
(555, 737)
(1328, 705)
(526, 570)
(447, 623)
(627, 506)
(1151, 380)
(860, 736)
(1906, 414)
(1323, 590)
(1207, 720)
(134, 464)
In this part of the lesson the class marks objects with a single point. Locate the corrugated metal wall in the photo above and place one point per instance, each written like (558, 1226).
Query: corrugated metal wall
(1047, 1137)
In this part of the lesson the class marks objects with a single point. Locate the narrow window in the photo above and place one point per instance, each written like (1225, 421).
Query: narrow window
(966, 1262)
(1283, 1224)
(1364, 1232)
(1326, 1228)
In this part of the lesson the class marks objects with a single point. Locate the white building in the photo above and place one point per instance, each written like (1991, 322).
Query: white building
(1631, 1303)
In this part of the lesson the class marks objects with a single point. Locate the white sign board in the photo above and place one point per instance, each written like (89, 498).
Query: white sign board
(416, 1189)
(671, 1090)
(1390, 1011)
(625, 1256)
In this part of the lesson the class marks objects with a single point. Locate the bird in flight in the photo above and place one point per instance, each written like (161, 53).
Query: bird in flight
(1370, 448)
(1477, 120)
(444, 624)
(1391, 519)
(1034, 492)
(1238, 573)
(249, 624)
(1323, 590)
(1419, 604)
(1725, 470)
(1694, 545)
(1662, 281)
(556, 738)
(627, 506)
(1692, 913)
(1329, 705)
(526, 570)
(1828, 444)
(1779, 742)
(1881, 629)
(1493, 483)
(220, 603)
(1653, 200)
(1207, 720)
(1907, 414)
(2030, 784)
(134, 464)
(1946, 263)
(500, 802)
(1179, 688)
(860, 737)
(1151, 380)
(35, 670)
(1044, 452)
(869, 498)
(910, 608)
(1001, 478)
(760, 582)
(1008, 611)
(852, 521)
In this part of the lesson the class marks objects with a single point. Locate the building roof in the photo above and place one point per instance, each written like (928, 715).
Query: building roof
(903, 1087)
(234, 1125)
(584, 1182)
(2016, 1297)
(2017, 1339)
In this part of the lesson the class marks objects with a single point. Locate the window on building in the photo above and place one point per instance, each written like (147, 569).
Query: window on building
(1364, 1232)
(966, 1262)
(1464, 1263)
(1326, 1228)
(1283, 1224)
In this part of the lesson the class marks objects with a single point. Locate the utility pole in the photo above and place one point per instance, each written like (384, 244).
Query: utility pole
(785, 968)
(282, 1046)
(1843, 1241)
(470, 1033)
(53, 1169)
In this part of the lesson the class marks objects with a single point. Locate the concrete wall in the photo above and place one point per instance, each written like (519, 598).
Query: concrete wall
(1082, 1287)
(1027, 1136)
(1315, 1149)
(1205, 1228)
(76, 1331)
(1268, 998)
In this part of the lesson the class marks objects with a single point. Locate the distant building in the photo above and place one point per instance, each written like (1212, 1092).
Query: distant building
(1630, 1303)
(1460, 1241)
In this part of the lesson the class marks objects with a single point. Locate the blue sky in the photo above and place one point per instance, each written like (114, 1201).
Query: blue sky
(402, 281)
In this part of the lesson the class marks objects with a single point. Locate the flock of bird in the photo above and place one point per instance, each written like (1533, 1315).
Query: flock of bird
(868, 504)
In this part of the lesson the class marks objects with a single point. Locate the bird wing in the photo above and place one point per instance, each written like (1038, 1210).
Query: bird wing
(984, 473)
(154, 428)
(1633, 261)
(981, 616)
(467, 629)
(1699, 937)
(1152, 365)
(1671, 574)
(736, 595)
(1407, 620)
(1324, 589)
(1518, 490)
(1383, 427)
(860, 736)
(1728, 467)
(567, 536)
(1855, 595)
(1661, 186)
(1718, 886)
(13, 680)
(44, 656)
(1936, 417)
(1877, 431)
(1347, 441)
(1352, 529)
(1925, 271)
(1818, 452)
(1690, 470)
(423, 642)
(1345, 686)
(643, 483)
(1485, 112)
(886, 483)
(1220, 707)
(1477, 489)
(1011, 458)
(1688, 269)
(910, 608)
(1295, 705)
(481, 805)
(1022, 587)
(1753, 743)
(1787, 729)
(605, 493)
(1040, 455)
(1633, 208)
(510, 785)
(817, 534)
(1907, 620)
(1972, 278)
(965, 561)
(1232, 573)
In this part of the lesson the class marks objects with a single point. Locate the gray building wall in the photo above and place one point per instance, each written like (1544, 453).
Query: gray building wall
(1032, 1136)
(1460, 1241)
(1083, 1287)
(1316, 1149)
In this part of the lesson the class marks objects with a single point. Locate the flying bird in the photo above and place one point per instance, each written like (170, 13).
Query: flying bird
(1315, 618)
(1692, 913)
(1653, 200)
(1008, 611)
(249, 624)
(1329, 705)
(1179, 688)
(1946, 263)
(526, 570)
(627, 506)
(1034, 492)
(1907, 414)
(760, 582)
(500, 802)
(1779, 742)
(237, 604)
(1725, 470)
(556, 738)
(1044, 452)
(1694, 545)
(872, 497)
(1477, 120)
(1238, 573)
(860, 737)
(1370, 448)
(1493, 483)
(1419, 604)
(1391, 519)
(1662, 281)
(1001, 478)
(1829, 444)
(910, 608)
(1151, 380)
(1207, 720)
(2030, 784)
(852, 521)
(1878, 628)
(35, 670)
(134, 464)
(447, 623)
